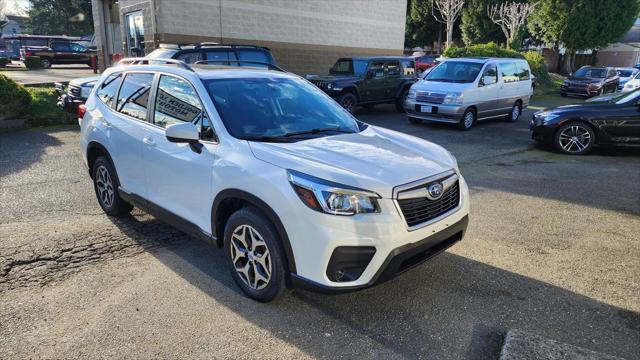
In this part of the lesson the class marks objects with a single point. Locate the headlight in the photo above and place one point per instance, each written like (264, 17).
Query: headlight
(566, 82)
(547, 116)
(330, 86)
(411, 95)
(595, 85)
(332, 198)
(453, 99)
(85, 92)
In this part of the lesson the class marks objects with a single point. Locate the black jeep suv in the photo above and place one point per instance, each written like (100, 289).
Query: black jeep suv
(368, 81)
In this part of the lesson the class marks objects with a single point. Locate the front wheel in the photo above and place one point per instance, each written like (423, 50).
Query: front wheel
(574, 138)
(348, 101)
(515, 113)
(468, 120)
(254, 254)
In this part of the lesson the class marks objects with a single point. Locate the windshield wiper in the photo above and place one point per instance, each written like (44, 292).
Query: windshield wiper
(438, 79)
(317, 131)
(265, 138)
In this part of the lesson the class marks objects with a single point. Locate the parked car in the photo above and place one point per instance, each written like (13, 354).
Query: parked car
(261, 163)
(425, 62)
(624, 75)
(222, 54)
(633, 83)
(575, 129)
(60, 52)
(590, 81)
(463, 91)
(368, 81)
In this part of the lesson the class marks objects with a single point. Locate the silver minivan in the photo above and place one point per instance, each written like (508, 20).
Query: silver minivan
(464, 90)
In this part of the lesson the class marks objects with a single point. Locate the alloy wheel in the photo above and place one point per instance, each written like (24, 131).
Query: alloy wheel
(574, 139)
(250, 257)
(45, 63)
(105, 186)
(515, 113)
(468, 120)
(348, 104)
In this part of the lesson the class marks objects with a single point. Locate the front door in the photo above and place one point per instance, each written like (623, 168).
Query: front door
(488, 92)
(134, 26)
(622, 125)
(178, 178)
(374, 84)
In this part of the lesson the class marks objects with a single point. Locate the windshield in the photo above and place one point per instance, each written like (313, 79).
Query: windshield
(263, 108)
(624, 98)
(455, 71)
(625, 72)
(349, 66)
(598, 73)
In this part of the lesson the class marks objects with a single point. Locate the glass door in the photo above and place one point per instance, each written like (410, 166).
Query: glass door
(134, 26)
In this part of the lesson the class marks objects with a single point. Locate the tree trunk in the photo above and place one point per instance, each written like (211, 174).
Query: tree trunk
(449, 34)
(567, 67)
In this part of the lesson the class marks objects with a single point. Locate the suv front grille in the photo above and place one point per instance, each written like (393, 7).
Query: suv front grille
(74, 90)
(321, 84)
(420, 209)
(430, 97)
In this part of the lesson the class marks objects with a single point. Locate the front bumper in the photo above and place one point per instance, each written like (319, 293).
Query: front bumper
(69, 104)
(439, 112)
(579, 91)
(315, 236)
(541, 132)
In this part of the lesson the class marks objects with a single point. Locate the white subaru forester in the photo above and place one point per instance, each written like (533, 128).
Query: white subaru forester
(265, 165)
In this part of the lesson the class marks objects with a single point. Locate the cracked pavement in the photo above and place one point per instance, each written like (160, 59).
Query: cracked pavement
(552, 249)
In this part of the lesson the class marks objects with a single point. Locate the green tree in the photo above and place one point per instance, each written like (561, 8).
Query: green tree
(581, 24)
(476, 27)
(60, 17)
(421, 27)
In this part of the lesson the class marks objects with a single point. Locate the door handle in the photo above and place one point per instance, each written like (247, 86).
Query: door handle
(149, 141)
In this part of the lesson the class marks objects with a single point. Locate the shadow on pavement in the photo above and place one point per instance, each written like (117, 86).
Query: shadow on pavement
(19, 150)
(451, 307)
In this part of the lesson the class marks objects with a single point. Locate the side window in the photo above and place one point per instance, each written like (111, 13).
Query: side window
(221, 56)
(377, 68)
(392, 68)
(490, 75)
(612, 73)
(523, 71)
(177, 102)
(61, 46)
(408, 67)
(509, 72)
(108, 89)
(190, 57)
(254, 55)
(133, 98)
(77, 47)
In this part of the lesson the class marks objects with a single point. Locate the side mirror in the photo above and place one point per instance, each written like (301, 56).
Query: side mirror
(182, 133)
(487, 80)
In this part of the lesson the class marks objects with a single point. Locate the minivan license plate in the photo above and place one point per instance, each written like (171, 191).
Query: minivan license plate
(425, 108)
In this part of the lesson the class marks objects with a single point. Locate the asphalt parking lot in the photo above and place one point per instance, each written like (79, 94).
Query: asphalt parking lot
(553, 248)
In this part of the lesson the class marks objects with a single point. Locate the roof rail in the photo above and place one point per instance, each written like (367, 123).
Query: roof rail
(146, 61)
(228, 62)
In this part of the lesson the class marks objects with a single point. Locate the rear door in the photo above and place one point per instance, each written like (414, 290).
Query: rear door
(488, 91)
(509, 86)
(127, 127)
(393, 78)
(178, 178)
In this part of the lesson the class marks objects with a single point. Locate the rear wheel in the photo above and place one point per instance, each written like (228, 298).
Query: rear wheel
(400, 100)
(254, 254)
(105, 183)
(45, 63)
(468, 120)
(348, 101)
(574, 138)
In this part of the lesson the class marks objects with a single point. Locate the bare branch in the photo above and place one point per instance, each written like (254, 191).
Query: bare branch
(448, 12)
(510, 17)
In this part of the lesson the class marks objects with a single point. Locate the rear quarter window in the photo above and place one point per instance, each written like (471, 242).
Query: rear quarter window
(523, 71)
(254, 55)
(108, 88)
(133, 97)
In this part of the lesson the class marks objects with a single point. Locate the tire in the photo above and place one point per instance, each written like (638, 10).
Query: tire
(105, 183)
(515, 112)
(45, 63)
(400, 100)
(241, 232)
(348, 101)
(415, 121)
(574, 138)
(468, 120)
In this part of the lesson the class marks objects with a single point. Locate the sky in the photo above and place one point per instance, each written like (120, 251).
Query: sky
(14, 6)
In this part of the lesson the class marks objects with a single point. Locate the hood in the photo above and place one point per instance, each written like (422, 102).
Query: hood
(595, 104)
(375, 159)
(584, 80)
(438, 87)
(332, 78)
(85, 81)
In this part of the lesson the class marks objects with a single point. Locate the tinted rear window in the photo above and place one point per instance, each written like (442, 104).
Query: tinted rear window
(254, 55)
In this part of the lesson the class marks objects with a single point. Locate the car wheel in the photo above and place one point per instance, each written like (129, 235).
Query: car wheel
(415, 121)
(254, 254)
(400, 100)
(515, 113)
(45, 63)
(468, 120)
(574, 138)
(348, 101)
(105, 183)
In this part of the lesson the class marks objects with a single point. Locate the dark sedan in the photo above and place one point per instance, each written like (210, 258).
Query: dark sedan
(575, 129)
(591, 81)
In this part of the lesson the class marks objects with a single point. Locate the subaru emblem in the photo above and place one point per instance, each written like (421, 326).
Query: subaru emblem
(434, 191)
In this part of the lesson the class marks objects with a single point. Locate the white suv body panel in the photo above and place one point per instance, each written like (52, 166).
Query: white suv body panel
(174, 177)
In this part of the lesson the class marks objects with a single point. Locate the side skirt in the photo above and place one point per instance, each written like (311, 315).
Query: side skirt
(167, 216)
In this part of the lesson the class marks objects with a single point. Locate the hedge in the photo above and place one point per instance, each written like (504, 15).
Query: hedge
(4, 61)
(535, 60)
(14, 98)
(32, 62)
